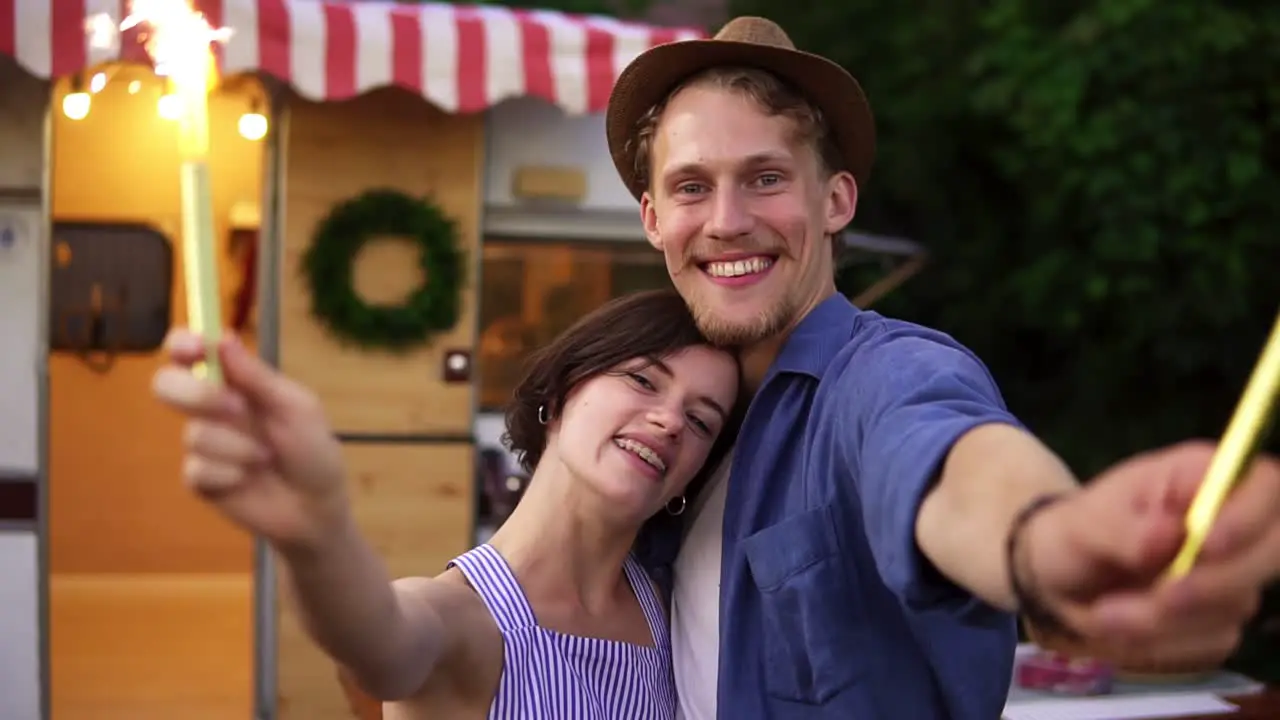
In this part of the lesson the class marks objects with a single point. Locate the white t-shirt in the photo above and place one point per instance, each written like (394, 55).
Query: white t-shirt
(695, 601)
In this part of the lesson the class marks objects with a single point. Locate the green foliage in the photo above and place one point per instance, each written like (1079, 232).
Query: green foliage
(328, 269)
(1140, 134)
(1098, 183)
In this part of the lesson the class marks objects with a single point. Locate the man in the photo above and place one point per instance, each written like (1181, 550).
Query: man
(862, 552)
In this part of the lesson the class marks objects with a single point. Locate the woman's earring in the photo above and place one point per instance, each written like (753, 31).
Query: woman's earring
(674, 507)
(543, 415)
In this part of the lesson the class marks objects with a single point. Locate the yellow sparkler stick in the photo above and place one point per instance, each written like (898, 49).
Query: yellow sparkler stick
(1243, 436)
(179, 41)
(199, 260)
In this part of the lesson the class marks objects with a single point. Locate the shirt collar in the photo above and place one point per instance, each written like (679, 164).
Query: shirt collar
(820, 335)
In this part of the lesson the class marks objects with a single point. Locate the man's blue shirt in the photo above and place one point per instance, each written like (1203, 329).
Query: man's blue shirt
(827, 607)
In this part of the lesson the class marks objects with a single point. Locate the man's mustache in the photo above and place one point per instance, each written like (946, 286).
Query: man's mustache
(698, 255)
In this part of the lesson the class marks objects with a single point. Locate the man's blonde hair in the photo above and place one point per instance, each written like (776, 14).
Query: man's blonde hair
(768, 91)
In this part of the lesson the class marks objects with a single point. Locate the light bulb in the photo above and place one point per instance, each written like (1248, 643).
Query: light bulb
(134, 86)
(76, 105)
(169, 107)
(253, 126)
(97, 82)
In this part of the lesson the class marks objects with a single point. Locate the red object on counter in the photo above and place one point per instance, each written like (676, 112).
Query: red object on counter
(1060, 673)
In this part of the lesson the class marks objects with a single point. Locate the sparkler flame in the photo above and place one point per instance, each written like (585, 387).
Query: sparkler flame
(179, 41)
(178, 37)
(176, 30)
(103, 32)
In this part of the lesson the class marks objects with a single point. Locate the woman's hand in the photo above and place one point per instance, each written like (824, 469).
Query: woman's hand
(258, 448)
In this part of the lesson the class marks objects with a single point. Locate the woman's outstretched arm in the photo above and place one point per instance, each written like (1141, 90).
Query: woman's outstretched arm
(388, 636)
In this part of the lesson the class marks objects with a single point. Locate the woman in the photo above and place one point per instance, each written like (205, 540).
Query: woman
(554, 617)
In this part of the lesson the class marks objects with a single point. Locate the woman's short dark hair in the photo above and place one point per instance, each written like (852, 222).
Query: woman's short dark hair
(652, 324)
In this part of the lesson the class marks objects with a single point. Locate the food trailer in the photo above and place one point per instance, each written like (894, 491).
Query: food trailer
(489, 118)
(123, 595)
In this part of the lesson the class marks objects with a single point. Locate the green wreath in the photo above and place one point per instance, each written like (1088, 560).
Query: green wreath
(329, 263)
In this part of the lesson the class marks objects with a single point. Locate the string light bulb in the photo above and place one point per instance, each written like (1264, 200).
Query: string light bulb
(253, 124)
(97, 82)
(76, 104)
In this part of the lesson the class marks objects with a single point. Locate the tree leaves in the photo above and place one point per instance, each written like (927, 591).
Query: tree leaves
(1098, 182)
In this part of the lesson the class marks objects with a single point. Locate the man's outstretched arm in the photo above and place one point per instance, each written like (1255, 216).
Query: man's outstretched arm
(942, 467)
(991, 474)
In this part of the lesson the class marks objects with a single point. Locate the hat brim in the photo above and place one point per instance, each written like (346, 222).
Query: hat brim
(657, 71)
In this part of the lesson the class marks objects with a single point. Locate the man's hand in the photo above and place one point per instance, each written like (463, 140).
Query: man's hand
(1098, 559)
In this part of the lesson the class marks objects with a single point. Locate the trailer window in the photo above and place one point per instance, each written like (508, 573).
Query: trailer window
(111, 289)
(531, 290)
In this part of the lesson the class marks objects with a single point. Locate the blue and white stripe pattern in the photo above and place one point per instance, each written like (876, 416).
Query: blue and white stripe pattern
(547, 674)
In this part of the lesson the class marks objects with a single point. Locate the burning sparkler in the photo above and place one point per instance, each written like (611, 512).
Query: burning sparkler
(179, 41)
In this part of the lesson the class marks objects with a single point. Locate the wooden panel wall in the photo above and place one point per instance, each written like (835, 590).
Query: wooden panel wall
(414, 504)
(413, 494)
(335, 152)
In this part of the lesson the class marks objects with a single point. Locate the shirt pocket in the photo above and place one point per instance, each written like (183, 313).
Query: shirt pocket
(812, 619)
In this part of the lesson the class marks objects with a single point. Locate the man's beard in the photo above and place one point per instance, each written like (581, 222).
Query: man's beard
(731, 334)
(741, 333)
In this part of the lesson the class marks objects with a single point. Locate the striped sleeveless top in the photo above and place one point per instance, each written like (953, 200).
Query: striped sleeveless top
(551, 675)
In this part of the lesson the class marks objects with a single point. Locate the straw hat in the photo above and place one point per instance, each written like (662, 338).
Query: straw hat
(744, 42)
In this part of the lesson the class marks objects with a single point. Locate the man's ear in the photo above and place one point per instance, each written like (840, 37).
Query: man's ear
(649, 217)
(842, 202)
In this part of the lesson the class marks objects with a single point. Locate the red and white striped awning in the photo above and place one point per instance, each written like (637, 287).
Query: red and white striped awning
(462, 58)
